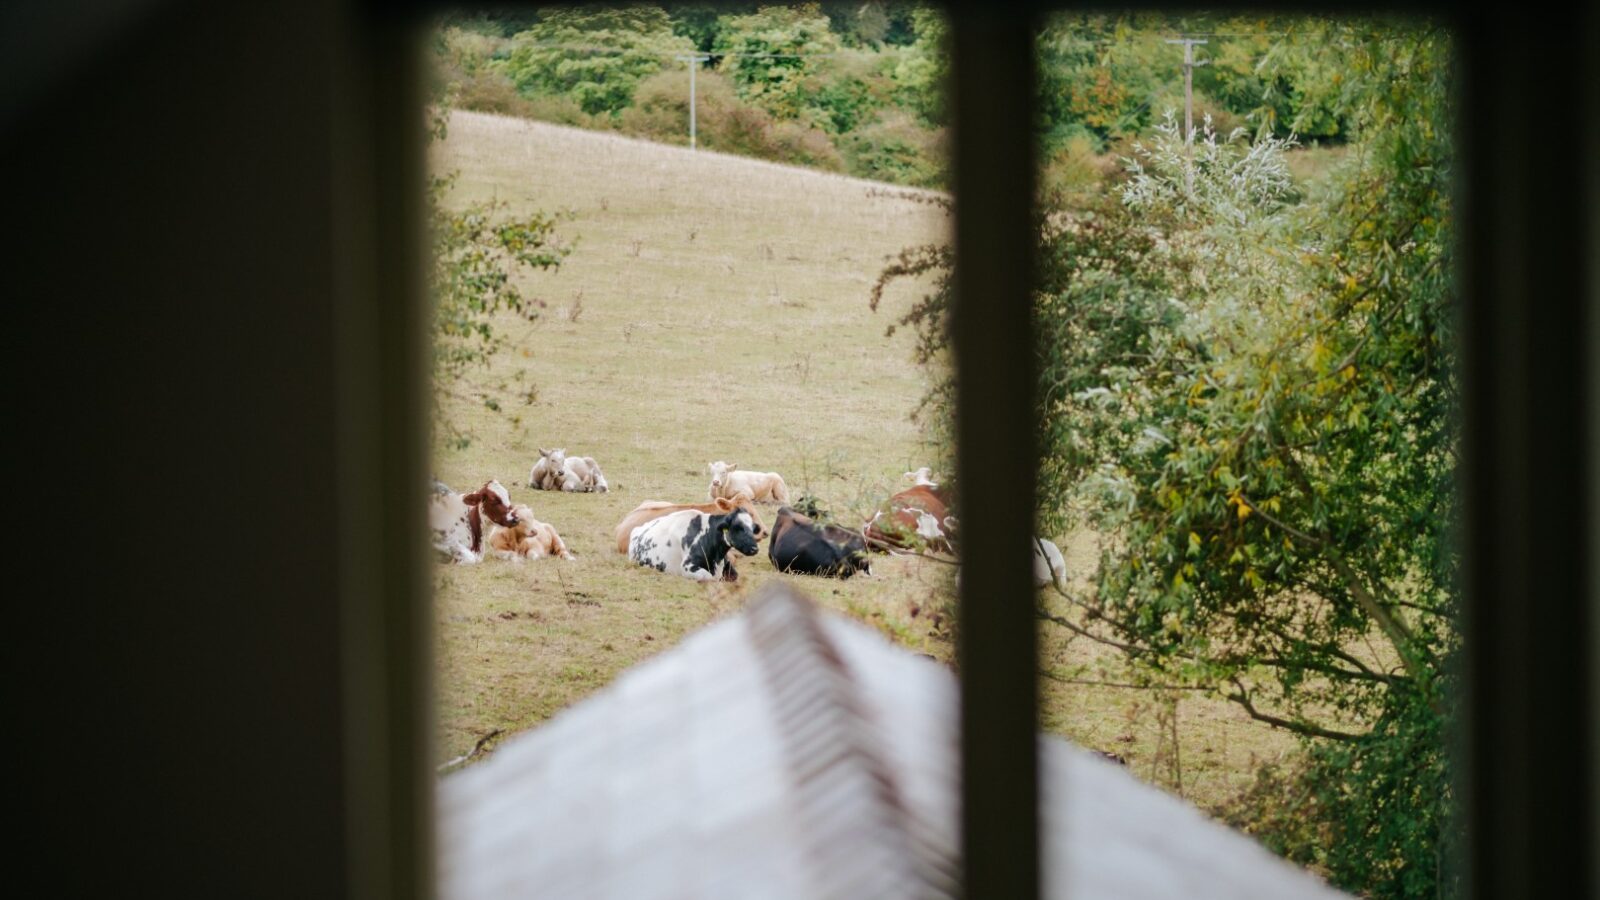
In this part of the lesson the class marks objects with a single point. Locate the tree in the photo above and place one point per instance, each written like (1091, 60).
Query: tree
(770, 53)
(594, 55)
(1252, 400)
(477, 249)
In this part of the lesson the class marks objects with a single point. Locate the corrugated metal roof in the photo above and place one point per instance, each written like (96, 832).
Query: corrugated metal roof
(789, 752)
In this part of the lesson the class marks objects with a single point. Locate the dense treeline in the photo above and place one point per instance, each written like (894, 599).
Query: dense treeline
(857, 87)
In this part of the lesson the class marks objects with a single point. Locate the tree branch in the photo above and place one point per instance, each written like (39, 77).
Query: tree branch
(1303, 728)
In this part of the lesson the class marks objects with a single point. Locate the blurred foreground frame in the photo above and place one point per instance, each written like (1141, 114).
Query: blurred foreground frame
(241, 335)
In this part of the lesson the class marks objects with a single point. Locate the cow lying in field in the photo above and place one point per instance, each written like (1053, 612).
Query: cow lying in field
(457, 519)
(800, 545)
(655, 509)
(764, 487)
(556, 471)
(694, 544)
(1048, 565)
(915, 519)
(528, 539)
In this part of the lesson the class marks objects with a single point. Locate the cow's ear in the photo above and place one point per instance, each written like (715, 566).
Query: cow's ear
(543, 452)
(732, 466)
(472, 499)
(724, 504)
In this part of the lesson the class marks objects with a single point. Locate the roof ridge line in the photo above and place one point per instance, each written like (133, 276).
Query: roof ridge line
(855, 822)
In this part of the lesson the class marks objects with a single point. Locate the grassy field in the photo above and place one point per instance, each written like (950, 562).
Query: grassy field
(715, 307)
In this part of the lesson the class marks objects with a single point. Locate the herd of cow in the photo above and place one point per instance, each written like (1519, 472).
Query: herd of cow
(697, 540)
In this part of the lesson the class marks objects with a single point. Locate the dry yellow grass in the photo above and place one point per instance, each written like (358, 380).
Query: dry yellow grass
(722, 315)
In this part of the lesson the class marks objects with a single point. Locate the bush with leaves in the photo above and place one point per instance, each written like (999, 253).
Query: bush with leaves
(770, 53)
(477, 251)
(1252, 400)
(593, 55)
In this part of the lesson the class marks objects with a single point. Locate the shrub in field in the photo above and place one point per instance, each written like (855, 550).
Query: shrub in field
(1252, 400)
(896, 148)
(476, 251)
(726, 123)
(1075, 169)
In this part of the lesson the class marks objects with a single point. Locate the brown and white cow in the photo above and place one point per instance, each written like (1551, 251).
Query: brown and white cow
(655, 509)
(457, 520)
(528, 539)
(764, 487)
(914, 519)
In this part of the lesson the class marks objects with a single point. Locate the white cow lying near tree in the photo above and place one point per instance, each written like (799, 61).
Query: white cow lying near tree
(1048, 565)
(763, 487)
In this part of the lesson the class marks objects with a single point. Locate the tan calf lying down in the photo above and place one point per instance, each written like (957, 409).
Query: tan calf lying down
(728, 480)
(655, 509)
(528, 539)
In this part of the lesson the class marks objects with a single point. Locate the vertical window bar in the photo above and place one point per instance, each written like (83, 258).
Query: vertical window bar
(992, 97)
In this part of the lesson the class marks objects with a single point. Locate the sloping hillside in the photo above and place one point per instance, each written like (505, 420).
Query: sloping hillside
(715, 307)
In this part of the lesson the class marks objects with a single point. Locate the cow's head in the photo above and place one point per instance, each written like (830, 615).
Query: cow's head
(557, 457)
(852, 547)
(856, 561)
(493, 501)
(719, 472)
(741, 501)
(522, 514)
(738, 531)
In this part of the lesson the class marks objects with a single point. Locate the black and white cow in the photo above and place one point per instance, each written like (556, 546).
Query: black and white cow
(800, 545)
(694, 544)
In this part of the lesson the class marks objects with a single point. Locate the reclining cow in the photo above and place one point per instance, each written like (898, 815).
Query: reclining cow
(655, 509)
(800, 545)
(914, 520)
(457, 519)
(694, 544)
(528, 539)
(1048, 565)
(727, 480)
(556, 471)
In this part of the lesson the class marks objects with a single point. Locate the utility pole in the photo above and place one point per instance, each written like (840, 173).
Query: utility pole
(1188, 103)
(694, 61)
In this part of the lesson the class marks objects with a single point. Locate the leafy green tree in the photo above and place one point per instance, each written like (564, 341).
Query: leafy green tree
(477, 251)
(594, 55)
(1252, 400)
(922, 71)
(770, 53)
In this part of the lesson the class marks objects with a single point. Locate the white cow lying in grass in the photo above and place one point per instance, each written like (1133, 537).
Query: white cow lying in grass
(1048, 565)
(556, 471)
(694, 544)
(763, 487)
